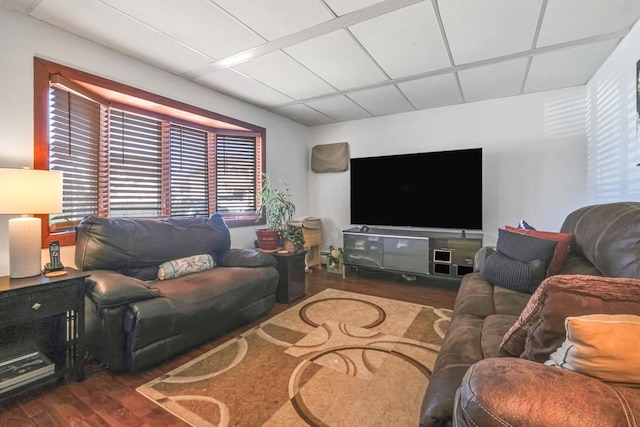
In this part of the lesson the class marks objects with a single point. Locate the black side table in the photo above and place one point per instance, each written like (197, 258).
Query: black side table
(44, 314)
(291, 286)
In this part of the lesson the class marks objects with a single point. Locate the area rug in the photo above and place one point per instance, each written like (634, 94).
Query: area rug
(335, 359)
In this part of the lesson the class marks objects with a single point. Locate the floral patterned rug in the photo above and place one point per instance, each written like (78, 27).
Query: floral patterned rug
(335, 359)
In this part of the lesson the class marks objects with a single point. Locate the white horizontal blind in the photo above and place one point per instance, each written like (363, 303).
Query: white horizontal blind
(135, 165)
(236, 174)
(189, 172)
(77, 137)
(117, 163)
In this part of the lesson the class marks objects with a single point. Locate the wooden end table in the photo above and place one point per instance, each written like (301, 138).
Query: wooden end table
(291, 285)
(44, 314)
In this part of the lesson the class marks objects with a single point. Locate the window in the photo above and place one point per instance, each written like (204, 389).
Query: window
(125, 152)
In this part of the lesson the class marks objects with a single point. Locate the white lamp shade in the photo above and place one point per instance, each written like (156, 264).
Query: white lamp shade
(30, 191)
(27, 192)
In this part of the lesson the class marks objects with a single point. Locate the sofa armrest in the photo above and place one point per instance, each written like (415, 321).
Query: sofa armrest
(108, 295)
(247, 258)
(513, 391)
(110, 289)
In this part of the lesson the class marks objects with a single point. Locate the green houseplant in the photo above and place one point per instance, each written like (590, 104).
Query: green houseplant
(278, 208)
(293, 238)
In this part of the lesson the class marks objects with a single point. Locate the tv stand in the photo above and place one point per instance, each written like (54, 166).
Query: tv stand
(413, 252)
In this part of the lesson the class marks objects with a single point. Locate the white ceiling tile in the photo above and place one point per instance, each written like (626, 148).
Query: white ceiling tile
(298, 51)
(304, 114)
(431, 92)
(342, 7)
(404, 42)
(339, 108)
(568, 67)
(235, 84)
(22, 6)
(567, 20)
(338, 59)
(87, 18)
(191, 23)
(285, 75)
(493, 81)
(478, 30)
(290, 15)
(382, 101)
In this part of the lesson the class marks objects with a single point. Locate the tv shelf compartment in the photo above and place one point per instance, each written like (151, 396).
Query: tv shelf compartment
(414, 252)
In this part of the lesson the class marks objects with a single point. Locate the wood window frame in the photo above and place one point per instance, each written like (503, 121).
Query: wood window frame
(135, 100)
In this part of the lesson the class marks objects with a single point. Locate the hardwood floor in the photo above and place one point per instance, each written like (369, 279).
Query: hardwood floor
(106, 399)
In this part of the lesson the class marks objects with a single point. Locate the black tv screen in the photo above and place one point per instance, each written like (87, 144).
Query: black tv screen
(441, 189)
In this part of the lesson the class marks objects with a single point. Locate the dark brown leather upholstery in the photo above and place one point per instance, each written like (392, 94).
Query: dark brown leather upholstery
(133, 321)
(516, 392)
(608, 236)
(482, 314)
(500, 390)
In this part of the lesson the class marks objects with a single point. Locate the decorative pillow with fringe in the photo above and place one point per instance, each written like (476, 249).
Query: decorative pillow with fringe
(183, 266)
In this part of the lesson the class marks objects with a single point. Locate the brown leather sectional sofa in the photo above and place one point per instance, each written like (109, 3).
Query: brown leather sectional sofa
(474, 383)
(133, 320)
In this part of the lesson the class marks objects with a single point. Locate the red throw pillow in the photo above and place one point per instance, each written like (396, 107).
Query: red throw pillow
(562, 248)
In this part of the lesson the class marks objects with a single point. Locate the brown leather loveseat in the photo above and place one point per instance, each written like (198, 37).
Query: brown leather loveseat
(491, 371)
(134, 320)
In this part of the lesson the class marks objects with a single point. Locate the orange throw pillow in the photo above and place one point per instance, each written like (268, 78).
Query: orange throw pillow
(562, 248)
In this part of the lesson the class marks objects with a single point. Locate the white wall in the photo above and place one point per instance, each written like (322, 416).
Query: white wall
(613, 146)
(545, 154)
(534, 150)
(22, 38)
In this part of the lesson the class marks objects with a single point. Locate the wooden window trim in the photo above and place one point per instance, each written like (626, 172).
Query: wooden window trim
(161, 106)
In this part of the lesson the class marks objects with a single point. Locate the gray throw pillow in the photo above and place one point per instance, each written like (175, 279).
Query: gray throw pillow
(512, 274)
(481, 256)
(525, 248)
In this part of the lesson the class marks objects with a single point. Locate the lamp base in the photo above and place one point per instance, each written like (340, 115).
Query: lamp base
(25, 250)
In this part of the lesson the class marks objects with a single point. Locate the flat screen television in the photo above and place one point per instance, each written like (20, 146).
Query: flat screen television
(440, 189)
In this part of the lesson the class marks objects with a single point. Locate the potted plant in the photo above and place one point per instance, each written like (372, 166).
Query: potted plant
(278, 208)
(293, 238)
(335, 260)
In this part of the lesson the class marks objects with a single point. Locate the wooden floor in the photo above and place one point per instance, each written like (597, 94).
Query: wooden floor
(105, 399)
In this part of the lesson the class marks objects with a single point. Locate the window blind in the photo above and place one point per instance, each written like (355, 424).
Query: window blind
(189, 172)
(235, 173)
(135, 165)
(119, 163)
(77, 136)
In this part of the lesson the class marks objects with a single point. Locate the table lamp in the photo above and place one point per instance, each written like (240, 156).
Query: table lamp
(26, 192)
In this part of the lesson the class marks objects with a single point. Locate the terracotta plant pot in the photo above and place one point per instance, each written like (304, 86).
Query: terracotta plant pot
(267, 239)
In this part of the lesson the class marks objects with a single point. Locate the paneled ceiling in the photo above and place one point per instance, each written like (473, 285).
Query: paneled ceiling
(328, 61)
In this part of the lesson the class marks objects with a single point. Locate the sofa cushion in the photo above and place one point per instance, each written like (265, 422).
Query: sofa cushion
(183, 266)
(493, 329)
(198, 299)
(577, 264)
(603, 346)
(562, 247)
(130, 245)
(540, 328)
(481, 299)
(608, 235)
